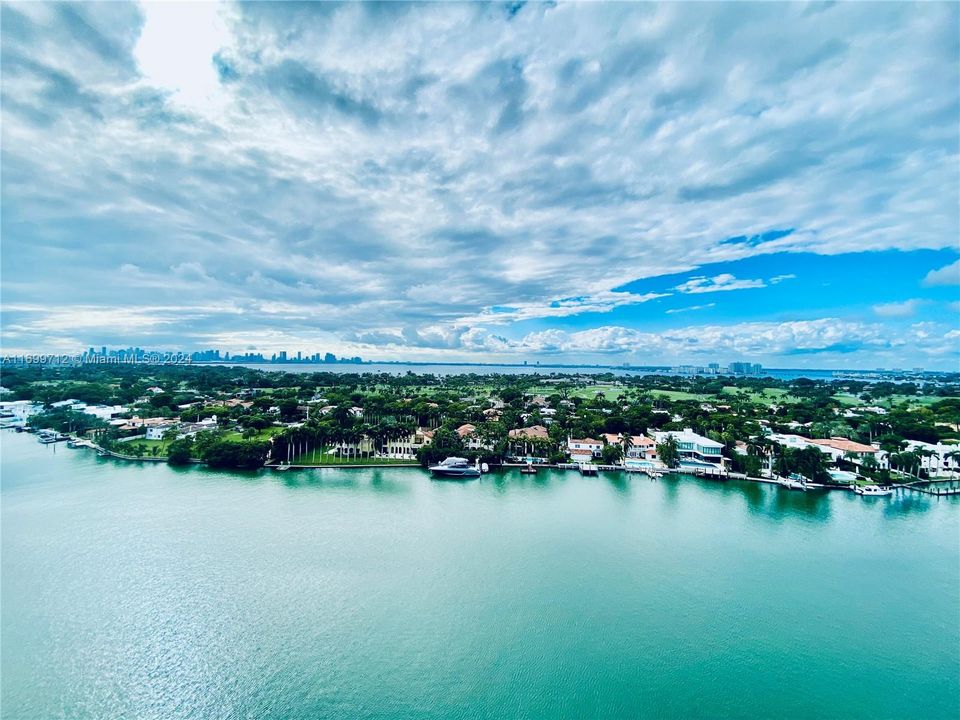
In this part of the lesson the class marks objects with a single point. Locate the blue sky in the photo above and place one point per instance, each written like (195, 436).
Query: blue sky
(640, 183)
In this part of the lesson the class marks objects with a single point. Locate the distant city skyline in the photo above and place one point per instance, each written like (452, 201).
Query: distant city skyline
(168, 355)
(570, 183)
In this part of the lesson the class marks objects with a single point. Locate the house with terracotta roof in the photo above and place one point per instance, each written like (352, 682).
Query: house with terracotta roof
(533, 441)
(582, 447)
(534, 432)
(839, 448)
(640, 447)
(471, 439)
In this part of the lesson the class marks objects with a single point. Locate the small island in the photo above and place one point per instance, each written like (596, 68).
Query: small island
(843, 432)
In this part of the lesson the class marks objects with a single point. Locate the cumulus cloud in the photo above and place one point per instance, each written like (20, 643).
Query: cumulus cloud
(431, 175)
(754, 339)
(907, 308)
(948, 275)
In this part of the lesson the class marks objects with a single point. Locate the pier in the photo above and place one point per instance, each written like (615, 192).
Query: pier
(933, 487)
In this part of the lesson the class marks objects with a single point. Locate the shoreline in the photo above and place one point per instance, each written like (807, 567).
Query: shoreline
(75, 443)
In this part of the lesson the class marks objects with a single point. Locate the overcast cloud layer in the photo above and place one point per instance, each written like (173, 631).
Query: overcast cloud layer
(458, 182)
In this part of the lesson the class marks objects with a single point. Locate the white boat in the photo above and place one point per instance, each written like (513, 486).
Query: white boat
(455, 468)
(794, 482)
(872, 490)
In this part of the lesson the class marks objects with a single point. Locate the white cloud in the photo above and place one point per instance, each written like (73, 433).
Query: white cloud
(691, 308)
(718, 283)
(820, 338)
(907, 308)
(601, 302)
(424, 171)
(176, 48)
(948, 275)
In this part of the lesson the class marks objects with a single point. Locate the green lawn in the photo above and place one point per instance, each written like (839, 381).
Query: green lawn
(316, 457)
(909, 400)
(589, 392)
(264, 434)
(765, 397)
(888, 402)
(679, 395)
(127, 448)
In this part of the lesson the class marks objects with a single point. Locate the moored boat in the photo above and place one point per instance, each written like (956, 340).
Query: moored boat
(872, 490)
(794, 482)
(455, 468)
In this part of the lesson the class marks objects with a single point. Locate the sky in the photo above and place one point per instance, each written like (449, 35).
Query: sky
(555, 182)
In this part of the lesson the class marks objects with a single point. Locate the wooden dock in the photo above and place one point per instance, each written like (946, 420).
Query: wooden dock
(931, 489)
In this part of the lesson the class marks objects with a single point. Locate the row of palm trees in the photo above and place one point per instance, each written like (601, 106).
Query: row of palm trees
(906, 462)
(351, 442)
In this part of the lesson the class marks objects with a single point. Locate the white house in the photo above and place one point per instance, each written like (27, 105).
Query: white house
(157, 431)
(937, 464)
(20, 410)
(584, 446)
(104, 412)
(405, 448)
(692, 446)
(640, 448)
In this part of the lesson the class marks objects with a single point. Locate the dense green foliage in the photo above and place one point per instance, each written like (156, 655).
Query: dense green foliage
(246, 454)
(357, 415)
(180, 451)
(668, 452)
(807, 461)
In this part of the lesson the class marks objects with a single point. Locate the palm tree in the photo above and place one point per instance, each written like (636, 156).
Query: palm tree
(626, 439)
(763, 447)
(953, 455)
(920, 453)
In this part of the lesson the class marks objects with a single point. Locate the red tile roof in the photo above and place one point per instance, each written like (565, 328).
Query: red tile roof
(845, 445)
(534, 432)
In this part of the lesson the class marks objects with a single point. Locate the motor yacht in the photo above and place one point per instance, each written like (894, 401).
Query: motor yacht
(455, 468)
(872, 490)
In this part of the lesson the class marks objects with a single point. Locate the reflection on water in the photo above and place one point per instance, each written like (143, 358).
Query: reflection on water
(904, 502)
(618, 481)
(142, 590)
(504, 480)
(760, 498)
(388, 483)
(814, 504)
(755, 495)
(671, 487)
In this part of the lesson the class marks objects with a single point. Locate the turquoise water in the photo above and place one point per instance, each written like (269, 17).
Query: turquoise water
(141, 591)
